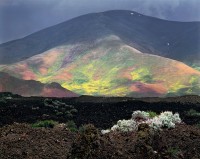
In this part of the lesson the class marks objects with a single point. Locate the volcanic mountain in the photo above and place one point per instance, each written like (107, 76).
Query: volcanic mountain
(113, 53)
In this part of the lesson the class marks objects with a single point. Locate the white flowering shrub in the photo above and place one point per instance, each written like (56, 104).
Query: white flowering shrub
(140, 115)
(155, 123)
(165, 120)
(125, 126)
(105, 131)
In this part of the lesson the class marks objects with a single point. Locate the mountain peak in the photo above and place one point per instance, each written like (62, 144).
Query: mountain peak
(147, 34)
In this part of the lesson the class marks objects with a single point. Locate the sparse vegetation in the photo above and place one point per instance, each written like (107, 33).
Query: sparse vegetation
(198, 125)
(173, 152)
(45, 124)
(152, 114)
(2, 100)
(71, 125)
(60, 108)
(192, 112)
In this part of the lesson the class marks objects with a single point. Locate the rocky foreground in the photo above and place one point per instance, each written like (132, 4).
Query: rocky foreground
(20, 141)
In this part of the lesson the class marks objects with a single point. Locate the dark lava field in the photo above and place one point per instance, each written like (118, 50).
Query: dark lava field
(20, 140)
(103, 112)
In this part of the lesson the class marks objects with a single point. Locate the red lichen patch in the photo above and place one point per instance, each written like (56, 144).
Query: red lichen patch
(50, 57)
(48, 60)
(126, 73)
(146, 87)
(1, 88)
(65, 75)
(158, 88)
(43, 70)
(177, 70)
(185, 70)
(24, 71)
(28, 75)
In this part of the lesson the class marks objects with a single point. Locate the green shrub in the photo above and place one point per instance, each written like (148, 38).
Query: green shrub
(173, 152)
(2, 100)
(60, 109)
(72, 126)
(193, 112)
(198, 125)
(152, 114)
(45, 124)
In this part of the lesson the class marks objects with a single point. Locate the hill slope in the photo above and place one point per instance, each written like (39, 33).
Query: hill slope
(110, 68)
(32, 88)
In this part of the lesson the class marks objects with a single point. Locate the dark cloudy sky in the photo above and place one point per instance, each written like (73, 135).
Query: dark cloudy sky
(19, 18)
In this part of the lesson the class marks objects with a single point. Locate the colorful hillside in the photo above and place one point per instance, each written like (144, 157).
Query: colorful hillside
(109, 68)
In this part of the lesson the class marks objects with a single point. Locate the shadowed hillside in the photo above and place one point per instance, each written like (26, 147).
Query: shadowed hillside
(32, 88)
(177, 40)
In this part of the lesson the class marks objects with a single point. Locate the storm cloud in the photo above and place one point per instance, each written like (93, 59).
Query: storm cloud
(19, 18)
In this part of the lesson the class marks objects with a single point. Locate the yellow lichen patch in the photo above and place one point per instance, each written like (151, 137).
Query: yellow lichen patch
(194, 80)
(94, 78)
(120, 91)
(2, 67)
(45, 79)
(176, 86)
(88, 88)
(141, 74)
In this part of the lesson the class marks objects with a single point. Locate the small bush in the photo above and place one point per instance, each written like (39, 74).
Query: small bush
(125, 126)
(152, 114)
(81, 129)
(72, 126)
(193, 112)
(198, 125)
(173, 152)
(164, 120)
(45, 124)
(60, 109)
(3, 100)
(140, 115)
